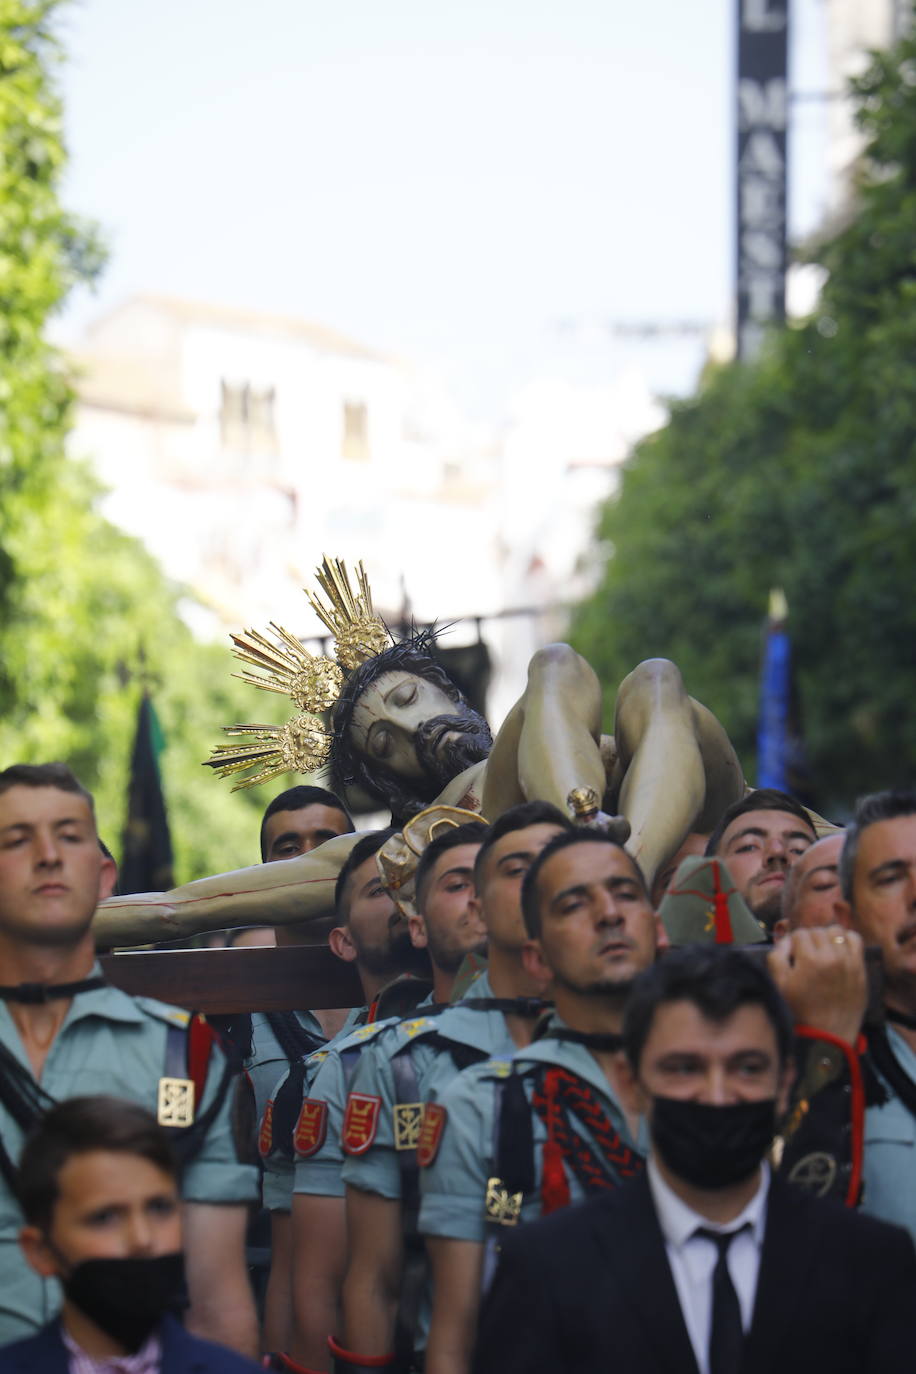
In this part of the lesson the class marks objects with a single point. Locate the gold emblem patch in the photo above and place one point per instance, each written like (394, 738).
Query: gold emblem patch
(408, 1118)
(175, 1105)
(815, 1173)
(434, 1119)
(501, 1205)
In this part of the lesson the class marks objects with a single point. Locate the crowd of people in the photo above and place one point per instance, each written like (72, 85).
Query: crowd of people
(632, 1092)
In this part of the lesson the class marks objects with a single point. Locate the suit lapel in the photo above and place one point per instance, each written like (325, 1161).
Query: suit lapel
(634, 1250)
(789, 1247)
(46, 1352)
(179, 1352)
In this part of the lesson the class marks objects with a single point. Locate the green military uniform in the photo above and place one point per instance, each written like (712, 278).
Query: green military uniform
(470, 1190)
(317, 1139)
(430, 1049)
(404, 1067)
(268, 1060)
(889, 1190)
(115, 1044)
(275, 1140)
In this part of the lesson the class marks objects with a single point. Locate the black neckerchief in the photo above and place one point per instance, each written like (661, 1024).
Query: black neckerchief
(34, 994)
(882, 1056)
(900, 1018)
(529, 1007)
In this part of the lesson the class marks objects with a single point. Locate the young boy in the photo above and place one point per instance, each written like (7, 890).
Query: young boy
(99, 1191)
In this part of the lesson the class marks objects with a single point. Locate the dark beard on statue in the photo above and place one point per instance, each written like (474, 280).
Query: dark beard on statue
(406, 796)
(443, 761)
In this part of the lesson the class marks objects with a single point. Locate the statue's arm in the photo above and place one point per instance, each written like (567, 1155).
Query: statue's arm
(289, 890)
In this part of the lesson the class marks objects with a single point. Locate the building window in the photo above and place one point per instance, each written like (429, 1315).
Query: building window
(246, 418)
(355, 430)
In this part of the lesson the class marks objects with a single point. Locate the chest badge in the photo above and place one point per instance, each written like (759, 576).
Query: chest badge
(502, 1206)
(408, 1118)
(175, 1103)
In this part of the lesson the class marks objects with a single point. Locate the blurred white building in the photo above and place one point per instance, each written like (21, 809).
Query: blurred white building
(854, 29)
(241, 447)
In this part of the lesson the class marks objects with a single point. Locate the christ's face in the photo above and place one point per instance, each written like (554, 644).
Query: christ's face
(414, 729)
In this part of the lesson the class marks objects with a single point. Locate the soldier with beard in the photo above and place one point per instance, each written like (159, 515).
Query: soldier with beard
(373, 934)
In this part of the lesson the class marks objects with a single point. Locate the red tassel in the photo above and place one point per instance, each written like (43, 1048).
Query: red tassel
(554, 1183)
(724, 935)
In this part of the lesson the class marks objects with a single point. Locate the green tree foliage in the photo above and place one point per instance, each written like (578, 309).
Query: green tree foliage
(78, 598)
(797, 471)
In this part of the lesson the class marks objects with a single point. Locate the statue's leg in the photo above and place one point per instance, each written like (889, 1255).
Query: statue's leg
(724, 778)
(664, 787)
(550, 742)
(501, 787)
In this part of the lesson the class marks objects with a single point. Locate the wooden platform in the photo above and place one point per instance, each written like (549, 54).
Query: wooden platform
(291, 978)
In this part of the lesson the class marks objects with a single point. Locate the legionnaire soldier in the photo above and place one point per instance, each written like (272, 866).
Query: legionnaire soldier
(760, 837)
(64, 1031)
(878, 879)
(295, 822)
(513, 1139)
(402, 732)
(306, 1104)
(385, 1296)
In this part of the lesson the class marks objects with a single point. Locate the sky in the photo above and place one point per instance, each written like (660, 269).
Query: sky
(477, 187)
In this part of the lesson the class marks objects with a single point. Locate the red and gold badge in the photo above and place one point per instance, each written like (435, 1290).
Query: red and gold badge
(266, 1133)
(434, 1119)
(360, 1122)
(311, 1127)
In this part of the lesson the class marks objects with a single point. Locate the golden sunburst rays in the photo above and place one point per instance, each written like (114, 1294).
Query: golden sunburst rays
(301, 745)
(312, 683)
(358, 632)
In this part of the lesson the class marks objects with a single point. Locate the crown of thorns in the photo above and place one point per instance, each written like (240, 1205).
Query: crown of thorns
(314, 683)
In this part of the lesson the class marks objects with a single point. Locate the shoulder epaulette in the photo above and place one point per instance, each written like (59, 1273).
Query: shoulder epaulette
(172, 1016)
(497, 1068)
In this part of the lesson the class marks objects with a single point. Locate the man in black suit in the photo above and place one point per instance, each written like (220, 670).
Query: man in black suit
(99, 1191)
(707, 1264)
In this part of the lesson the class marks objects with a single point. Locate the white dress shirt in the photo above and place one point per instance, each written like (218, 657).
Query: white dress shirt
(146, 1360)
(693, 1258)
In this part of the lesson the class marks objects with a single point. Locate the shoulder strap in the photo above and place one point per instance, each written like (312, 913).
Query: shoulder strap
(294, 1039)
(25, 1100)
(194, 1044)
(890, 1068)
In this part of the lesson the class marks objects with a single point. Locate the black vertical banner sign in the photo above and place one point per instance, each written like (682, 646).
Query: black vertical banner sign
(763, 107)
(147, 845)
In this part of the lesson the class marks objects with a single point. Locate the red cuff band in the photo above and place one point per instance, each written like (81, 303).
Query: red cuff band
(279, 1360)
(360, 1361)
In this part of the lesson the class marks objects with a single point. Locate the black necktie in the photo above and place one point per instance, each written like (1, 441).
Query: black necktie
(726, 1334)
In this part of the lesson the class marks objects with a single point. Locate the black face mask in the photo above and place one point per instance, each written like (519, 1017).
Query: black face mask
(127, 1298)
(709, 1146)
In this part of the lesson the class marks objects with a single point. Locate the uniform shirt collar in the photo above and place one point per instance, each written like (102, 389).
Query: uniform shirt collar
(678, 1222)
